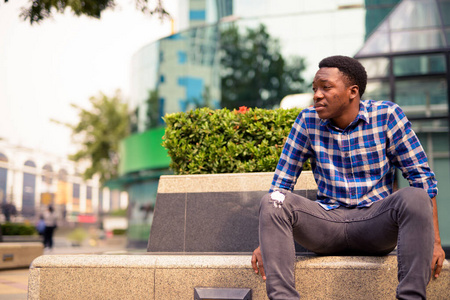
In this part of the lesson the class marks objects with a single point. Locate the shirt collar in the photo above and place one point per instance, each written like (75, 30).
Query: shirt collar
(362, 115)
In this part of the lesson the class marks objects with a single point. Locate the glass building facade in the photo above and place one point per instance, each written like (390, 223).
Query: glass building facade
(407, 58)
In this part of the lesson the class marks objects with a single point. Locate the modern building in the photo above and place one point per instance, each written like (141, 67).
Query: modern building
(403, 44)
(31, 180)
(407, 57)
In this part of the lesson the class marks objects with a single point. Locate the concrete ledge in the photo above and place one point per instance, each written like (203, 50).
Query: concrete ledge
(175, 277)
(239, 182)
(22, 239)
(19, 255)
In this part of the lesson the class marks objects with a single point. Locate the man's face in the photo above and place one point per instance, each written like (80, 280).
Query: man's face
(333, 95)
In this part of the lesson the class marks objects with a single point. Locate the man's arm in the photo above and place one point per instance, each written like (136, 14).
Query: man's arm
(438, 252)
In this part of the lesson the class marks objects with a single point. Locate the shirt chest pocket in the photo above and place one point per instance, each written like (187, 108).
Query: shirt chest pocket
(369, 159)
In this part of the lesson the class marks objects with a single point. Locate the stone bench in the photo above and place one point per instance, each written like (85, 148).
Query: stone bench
(204, 230)
(176, 276)
(19, 255)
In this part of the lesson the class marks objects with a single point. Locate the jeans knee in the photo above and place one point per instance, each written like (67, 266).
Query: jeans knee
(268, 211)
(416, 201)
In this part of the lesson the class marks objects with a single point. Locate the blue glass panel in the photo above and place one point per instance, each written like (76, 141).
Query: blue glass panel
(161, 110)
(197, 15)
(182, 57)
(417, 40)
(422, 97)
(419, 64)
(194, 88)
(445, 11)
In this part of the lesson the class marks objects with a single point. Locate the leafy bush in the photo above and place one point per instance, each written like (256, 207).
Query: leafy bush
(119, 213)
(18, 229)
(119, 231)
(205, 141)
(77, 236)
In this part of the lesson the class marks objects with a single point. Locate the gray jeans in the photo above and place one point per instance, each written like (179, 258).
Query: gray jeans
(403, 219)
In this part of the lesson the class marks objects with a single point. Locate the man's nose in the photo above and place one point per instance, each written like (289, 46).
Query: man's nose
(317, 95)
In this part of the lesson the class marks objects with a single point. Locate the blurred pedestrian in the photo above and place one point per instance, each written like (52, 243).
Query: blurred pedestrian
(50, 220)
(9, 209)
(40, 226)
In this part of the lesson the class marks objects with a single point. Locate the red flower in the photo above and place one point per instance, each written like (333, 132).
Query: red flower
(243, 109)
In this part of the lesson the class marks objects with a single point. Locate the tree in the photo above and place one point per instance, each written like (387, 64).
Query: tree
(99, 132)
(153, 110)
(39, 10)
(254, 73)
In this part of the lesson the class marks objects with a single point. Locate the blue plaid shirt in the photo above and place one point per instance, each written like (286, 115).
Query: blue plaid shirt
(355, 167)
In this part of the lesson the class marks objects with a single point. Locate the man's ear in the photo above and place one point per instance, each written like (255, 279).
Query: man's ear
(354, 92)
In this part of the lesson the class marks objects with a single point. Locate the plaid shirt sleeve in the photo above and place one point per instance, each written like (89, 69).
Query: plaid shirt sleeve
(296, 151)
(407, 154)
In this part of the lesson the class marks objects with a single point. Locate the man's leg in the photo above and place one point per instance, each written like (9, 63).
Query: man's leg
(313, 227)
(406, 218)
(46, 236)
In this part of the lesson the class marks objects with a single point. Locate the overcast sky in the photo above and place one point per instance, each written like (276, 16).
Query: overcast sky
(44, 68)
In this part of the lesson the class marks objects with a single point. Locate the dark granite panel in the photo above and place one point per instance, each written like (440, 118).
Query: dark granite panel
(167, 232)
(222, 222)
(302, 193)
(215, 222)
(311, 194)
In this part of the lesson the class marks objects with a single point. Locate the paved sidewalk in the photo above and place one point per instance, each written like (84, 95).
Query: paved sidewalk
(14, 282)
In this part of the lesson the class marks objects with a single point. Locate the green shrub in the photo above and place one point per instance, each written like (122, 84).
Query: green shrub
(18, 229)
(119, 231)
(119, 213)
(205, 141)
(77, 236)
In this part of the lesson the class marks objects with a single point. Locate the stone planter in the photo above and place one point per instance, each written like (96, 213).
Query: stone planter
(213, 213)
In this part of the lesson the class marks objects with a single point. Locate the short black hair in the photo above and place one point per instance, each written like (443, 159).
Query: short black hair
(350, 67)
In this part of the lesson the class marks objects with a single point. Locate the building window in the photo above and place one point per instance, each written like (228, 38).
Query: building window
(47, 174)
(182, 57)
(419, 64)
(3, 179)
(377, 90)
(424, 97)
(3, 157)
(197, 15)
(376, 67)
(76, 197)
(30, 163)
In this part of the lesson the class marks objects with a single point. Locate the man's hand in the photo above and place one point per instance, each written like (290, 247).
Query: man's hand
(257, 263)
(438, 260)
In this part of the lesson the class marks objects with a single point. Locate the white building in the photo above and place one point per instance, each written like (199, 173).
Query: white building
(32, 179)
